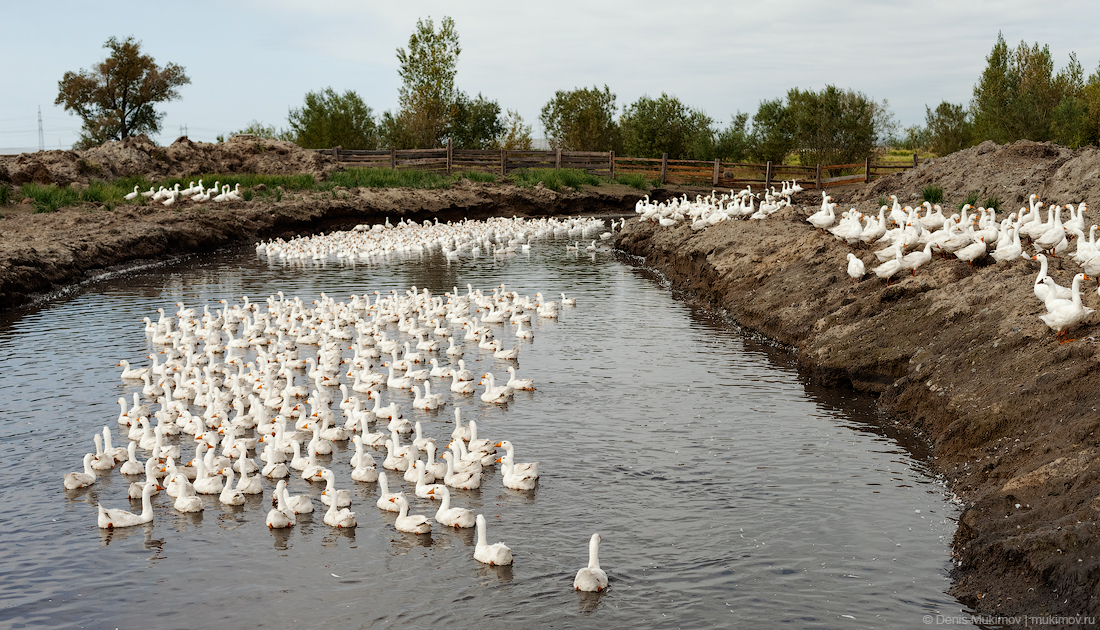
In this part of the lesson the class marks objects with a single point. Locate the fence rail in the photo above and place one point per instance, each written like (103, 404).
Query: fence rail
(606, 164)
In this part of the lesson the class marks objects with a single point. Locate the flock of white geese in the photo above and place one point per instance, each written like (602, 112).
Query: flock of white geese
(969, 235)
(713, 209)
(197, 193)
(496, 236)
(278, 403)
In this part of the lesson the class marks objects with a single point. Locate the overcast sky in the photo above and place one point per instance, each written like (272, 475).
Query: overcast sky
(255, 59)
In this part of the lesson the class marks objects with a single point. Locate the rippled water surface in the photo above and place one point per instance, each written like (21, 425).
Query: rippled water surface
(727, 493)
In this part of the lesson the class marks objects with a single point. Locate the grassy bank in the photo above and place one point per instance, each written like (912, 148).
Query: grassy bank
(109, 195)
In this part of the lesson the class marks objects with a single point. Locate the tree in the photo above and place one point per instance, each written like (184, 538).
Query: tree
(734, 143)
(772, 134)
(474, 123)
(948, 128)
(260, 130)
(516, 135)
(832, 126)
(427, 72)
(1091, 95)
(581, 120)
(651, 127)
(1020, 96)
(328, 119)
(115, 99)
(394, 131)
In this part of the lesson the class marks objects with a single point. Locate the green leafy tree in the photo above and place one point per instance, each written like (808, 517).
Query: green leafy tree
(1020, 96)
(832, 126)
(916, 138)
(516, 134)
(581, 120)
(734, 143)
(260, 130)
(772, 131)
(427, 70)
(328, 119)
(116, 98)
(1091, 95)
(653, 126)
(948, 128)
(475, 123)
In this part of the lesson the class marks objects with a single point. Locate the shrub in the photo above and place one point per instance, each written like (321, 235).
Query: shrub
(993, 203)
(971, 199)
(932, 194)
(634, 180)
(5, 194)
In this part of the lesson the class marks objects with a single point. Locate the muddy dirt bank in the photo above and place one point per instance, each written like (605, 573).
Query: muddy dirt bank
(40, 253)
(958, 355)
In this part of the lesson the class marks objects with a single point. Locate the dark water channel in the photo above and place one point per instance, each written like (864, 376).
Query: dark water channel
(727, 493)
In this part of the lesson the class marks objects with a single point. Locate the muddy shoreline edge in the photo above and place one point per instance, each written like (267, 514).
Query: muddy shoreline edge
(956, 355)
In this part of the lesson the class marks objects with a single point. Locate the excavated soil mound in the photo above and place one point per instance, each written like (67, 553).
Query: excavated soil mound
(1009, 172)
(183, 158)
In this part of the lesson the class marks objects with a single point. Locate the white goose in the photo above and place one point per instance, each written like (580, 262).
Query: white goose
(494, 393)
(525, 384)
(1065, 314)
(497, 554)
(384, 494)
(115, 517)
(186, 499)
(330, 493)
(457, 517)
(591, 578)
(76, 480)
(410, 523)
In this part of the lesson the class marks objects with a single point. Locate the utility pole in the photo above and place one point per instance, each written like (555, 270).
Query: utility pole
(41, 137)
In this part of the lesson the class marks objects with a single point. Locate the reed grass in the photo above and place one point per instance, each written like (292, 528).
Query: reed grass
(993, 203)
(477, 176)
(50, 197)
(554, 179)
(932, 194)
(5, 194)
(390, 178)
(634, 180)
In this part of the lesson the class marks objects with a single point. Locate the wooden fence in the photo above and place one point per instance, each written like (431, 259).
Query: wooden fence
(606, 164)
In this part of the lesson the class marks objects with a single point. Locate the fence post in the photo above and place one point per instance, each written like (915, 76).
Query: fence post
(818, 180)
(504, 162)
(915, 163)
(336, 153)
(715, 178)
(557, 164)
(664, 166)
(611, 162)
(768, 175)
(867, 170)
(450, 152)
(393, 158)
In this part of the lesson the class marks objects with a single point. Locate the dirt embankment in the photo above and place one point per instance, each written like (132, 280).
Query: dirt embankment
(40, 253)
(957, 354)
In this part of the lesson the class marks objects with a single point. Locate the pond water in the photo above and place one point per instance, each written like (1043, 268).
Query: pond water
(726, 491)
